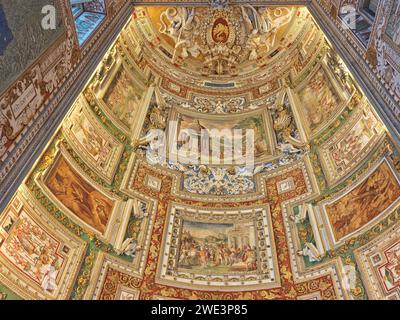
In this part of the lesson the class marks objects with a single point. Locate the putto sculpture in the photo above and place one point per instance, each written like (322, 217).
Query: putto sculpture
(222, 37)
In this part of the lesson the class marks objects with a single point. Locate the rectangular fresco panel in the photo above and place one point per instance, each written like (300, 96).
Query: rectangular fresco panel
(363, 203)
(355, 140)
(22, 38)
(345, 150)
(91, 140)
(211, 248)
(32, 250)
(188, 125)
(123, 97)
(79, 196)
(390, 271)
(217, 248)
(393, 25)
(352, 143)
(379, 265)
(96, 146)
(318, 100)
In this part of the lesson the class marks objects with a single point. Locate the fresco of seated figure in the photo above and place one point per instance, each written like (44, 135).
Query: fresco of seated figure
(79, 196)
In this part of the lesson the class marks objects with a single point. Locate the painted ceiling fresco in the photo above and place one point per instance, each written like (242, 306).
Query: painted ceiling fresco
(102, 216)
(232, 48)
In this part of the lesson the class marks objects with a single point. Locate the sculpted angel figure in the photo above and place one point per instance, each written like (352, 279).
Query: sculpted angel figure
(262, 25)
(156, 122)
(180, 25)
(129, 247)
(152, 144)
(311, 252)
(254, 20)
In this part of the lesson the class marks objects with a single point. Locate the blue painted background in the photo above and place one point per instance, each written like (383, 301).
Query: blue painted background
(5, 33)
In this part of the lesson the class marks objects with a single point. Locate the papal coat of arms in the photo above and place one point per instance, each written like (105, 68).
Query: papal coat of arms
(220, 31)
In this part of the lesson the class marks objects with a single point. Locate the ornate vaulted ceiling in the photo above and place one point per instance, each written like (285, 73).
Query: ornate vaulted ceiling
(241, 46)
(102, 216)
(219, 44)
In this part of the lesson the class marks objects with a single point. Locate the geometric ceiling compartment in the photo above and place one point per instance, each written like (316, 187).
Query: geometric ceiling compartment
(212, 152)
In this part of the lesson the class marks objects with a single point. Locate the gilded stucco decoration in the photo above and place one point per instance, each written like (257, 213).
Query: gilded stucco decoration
(102, 216)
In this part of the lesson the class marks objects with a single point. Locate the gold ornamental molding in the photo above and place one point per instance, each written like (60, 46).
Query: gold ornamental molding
(217, 3)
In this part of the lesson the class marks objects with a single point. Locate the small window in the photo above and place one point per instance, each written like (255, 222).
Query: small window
(88, 15)
(360, 20)
(77, 9)
(370, 7)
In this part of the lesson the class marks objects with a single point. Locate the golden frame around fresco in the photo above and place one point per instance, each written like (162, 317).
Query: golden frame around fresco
(94, 144)
(258, 219)
(30, 277)
(390, 181)
(108, 232)
(267, 134)
(335, 90)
